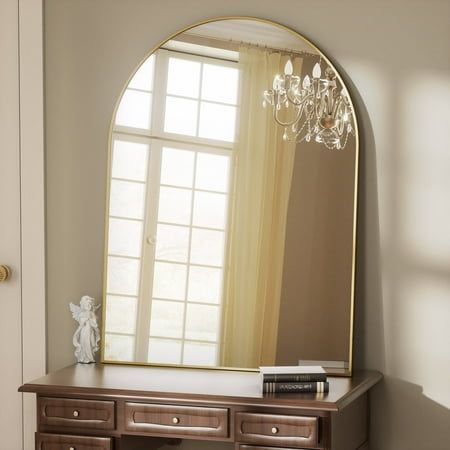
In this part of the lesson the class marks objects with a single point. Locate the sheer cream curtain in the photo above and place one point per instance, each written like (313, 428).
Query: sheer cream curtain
(262, 179)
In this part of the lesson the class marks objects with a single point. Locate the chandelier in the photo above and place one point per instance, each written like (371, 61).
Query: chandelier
(313, 109)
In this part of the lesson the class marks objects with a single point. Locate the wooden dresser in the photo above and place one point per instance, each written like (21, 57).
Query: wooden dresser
(92, 407)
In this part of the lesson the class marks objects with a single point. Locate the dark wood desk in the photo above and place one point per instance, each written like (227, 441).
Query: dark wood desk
(90, 407)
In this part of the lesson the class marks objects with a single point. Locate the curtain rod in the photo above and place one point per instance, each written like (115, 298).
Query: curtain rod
(234, 45)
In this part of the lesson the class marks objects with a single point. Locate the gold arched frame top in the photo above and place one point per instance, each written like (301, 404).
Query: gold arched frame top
(355, 192)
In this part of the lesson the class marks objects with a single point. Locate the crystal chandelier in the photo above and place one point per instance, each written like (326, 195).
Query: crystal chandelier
(317, 109)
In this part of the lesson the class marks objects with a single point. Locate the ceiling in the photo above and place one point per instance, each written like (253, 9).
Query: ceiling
(254, 32)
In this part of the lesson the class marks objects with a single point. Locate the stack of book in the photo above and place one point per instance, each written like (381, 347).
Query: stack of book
(294, 379)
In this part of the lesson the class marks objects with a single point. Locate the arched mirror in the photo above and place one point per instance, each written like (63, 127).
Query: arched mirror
(231, 208)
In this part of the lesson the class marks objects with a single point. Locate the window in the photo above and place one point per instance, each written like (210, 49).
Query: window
(171, 172)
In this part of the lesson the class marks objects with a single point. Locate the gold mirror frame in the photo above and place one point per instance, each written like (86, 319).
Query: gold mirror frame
(346, 372)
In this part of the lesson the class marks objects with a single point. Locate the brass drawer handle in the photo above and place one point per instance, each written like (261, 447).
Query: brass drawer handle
(76, 413)
(5, 273)
(275, 430)
(175, 420)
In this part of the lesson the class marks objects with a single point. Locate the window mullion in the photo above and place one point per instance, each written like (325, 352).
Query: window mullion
(152, 200)
(230, 196)
(148, 252)
(159, 92)
(199, 100)
(188, 259)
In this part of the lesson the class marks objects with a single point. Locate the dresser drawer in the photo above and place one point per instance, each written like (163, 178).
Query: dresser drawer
(258, 447)
(66, 442)
(86, 414)
(277, 430)
(176, 420)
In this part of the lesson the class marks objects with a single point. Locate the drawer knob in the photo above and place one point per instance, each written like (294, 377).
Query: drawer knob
(5, 273)
(175, 420)
(72, 448)
(275, 430)
(76, 413)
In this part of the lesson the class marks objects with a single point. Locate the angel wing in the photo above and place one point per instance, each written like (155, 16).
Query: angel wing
(76, 310)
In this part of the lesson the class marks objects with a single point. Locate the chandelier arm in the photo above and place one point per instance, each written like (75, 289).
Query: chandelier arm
(298, 103)
(340, 128)
(339, 103)
(288, 124)
(323, 89)
(330, 101)
(293, 100)
(317, 106)
(296, 133)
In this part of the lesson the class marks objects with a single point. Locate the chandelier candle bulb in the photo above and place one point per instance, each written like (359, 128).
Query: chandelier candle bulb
(317, 71)
(288, 68)
(277, 82)
(306, 83)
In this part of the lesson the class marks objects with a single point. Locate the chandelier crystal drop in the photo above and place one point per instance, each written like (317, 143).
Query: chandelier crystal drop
(313, 109)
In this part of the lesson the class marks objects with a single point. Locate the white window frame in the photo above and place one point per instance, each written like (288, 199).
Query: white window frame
(149, 259)
(158, 92)
(157, 138)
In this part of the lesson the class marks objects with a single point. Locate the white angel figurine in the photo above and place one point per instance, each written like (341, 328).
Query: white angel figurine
(87, 336)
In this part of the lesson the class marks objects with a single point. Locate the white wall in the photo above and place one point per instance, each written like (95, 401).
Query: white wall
(396, 58)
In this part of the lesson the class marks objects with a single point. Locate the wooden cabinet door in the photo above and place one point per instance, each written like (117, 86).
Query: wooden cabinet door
(10, 251)
(22, 295)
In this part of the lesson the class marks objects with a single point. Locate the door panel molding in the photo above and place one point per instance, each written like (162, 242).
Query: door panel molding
(32, 186)
(10, 239)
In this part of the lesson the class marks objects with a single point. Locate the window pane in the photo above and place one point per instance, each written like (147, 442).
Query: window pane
(125, 237)
(217, 121)
(202, 322)
(120, 314)
(164, 351)
(177, 167)
(143, 78)
(220, 84)
(130, 160)
(123, 276)
(181, 116)
(207, 247)
(212, 172)
(134, 109)
(199, 354)
(119, 348)
(205, 284)
(167, 319)
(209, 210)
(183, 77)
(169, 281)
(174, 205)
(172, 243)
(127, 199)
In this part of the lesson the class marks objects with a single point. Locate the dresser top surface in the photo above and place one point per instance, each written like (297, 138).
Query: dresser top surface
(194, 385)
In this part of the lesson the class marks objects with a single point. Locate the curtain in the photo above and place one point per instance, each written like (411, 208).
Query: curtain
(263, 167)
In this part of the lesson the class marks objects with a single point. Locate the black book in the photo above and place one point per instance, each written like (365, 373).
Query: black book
(312, 387)
(293, 377)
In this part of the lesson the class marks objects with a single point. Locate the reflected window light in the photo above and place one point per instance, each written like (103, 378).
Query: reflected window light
(187, 183)
(424, 165)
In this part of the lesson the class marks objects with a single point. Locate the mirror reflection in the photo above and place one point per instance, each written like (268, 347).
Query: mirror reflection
(230, 228)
